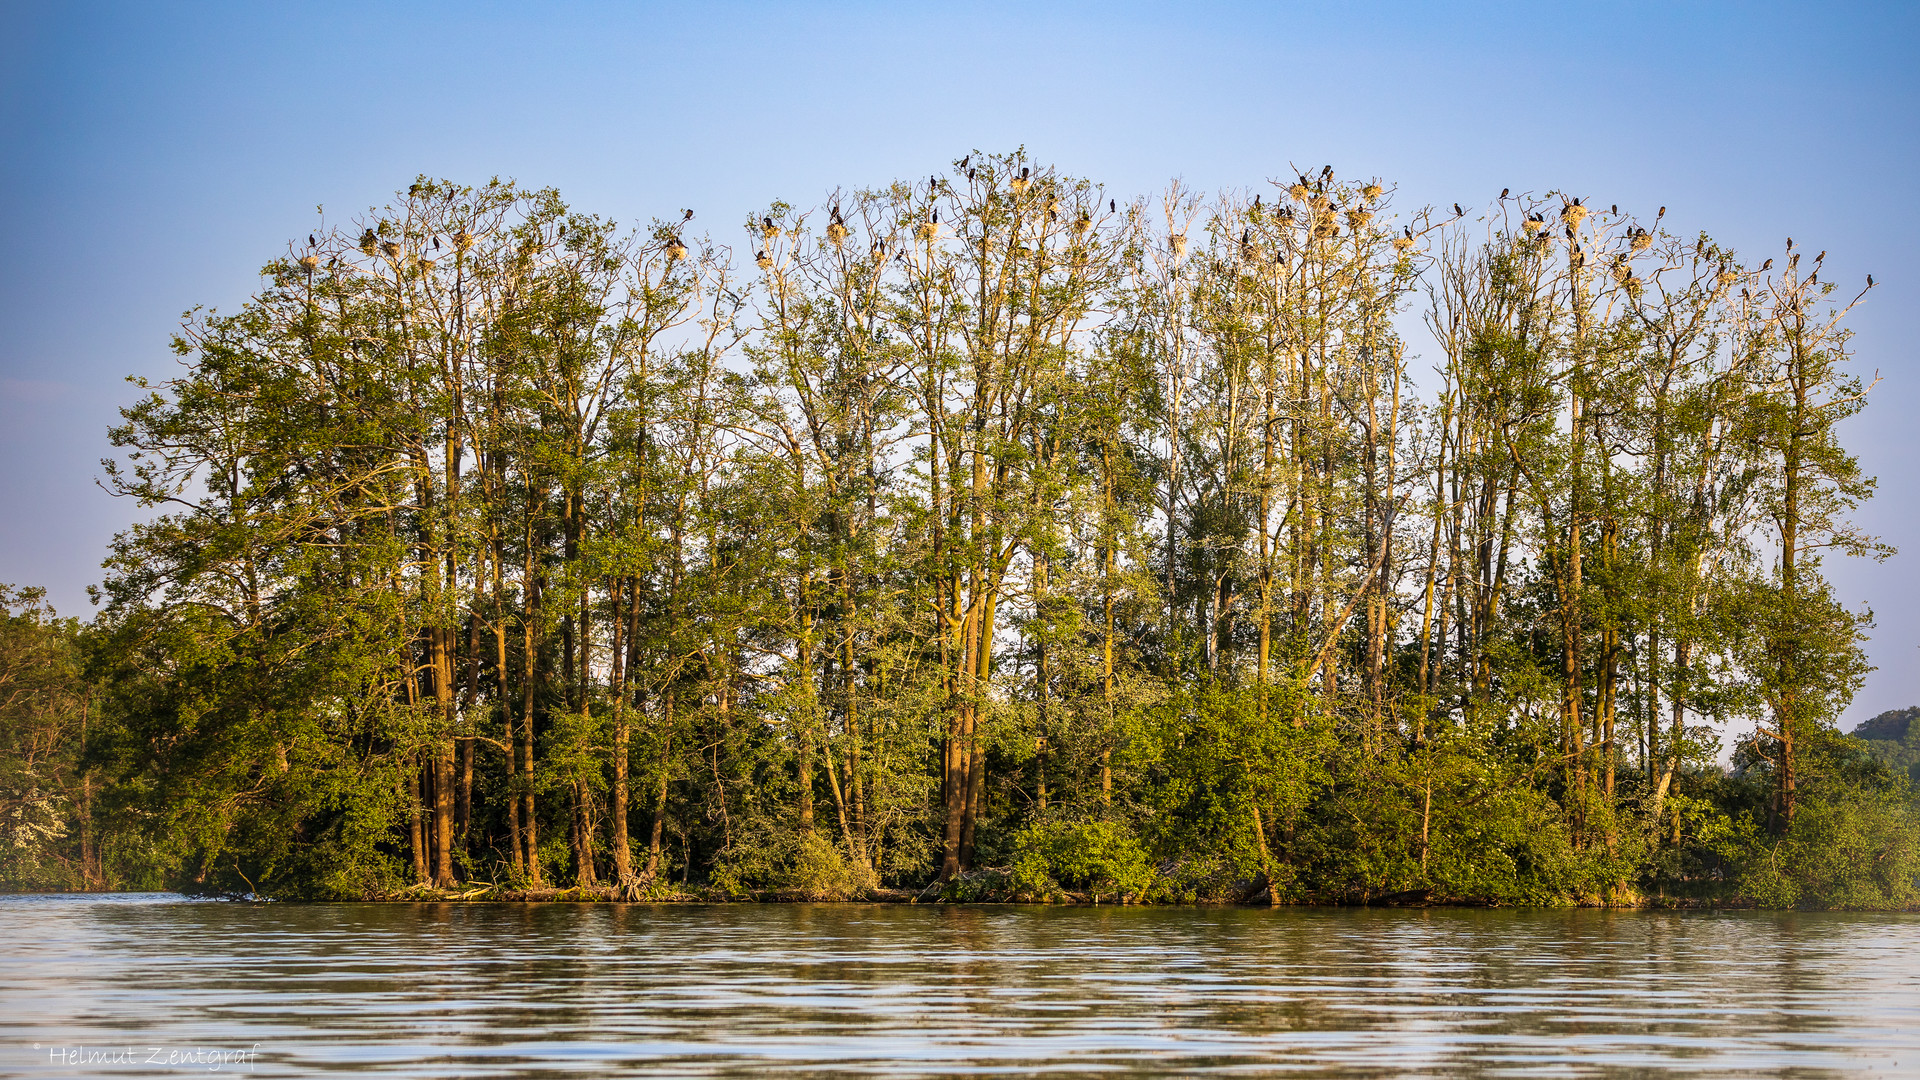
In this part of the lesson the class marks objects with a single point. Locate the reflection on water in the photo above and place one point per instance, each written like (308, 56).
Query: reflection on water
(551, 990)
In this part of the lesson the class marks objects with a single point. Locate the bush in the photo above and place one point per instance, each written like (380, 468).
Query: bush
(804, 863)
(1854, 848)
(1098, 857)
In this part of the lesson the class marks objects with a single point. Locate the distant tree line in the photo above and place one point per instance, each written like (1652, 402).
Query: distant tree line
(1894, 738)
(990, 530)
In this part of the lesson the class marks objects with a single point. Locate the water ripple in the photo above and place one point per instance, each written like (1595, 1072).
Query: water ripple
(564, 990)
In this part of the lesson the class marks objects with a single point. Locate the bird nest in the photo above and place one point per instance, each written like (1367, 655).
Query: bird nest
(1642, 240)
(1359, 218)
(1533, 226)
(927, 230)
(1178, 242)
(676, 250)
(1574, 214)
(1402, 243)
(462, 240)
(837, 233)
(1298, 191)
(1371, 192)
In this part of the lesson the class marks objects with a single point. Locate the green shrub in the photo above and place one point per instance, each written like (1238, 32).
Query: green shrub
(1847, 849)
(1098, 857)
(805, 863)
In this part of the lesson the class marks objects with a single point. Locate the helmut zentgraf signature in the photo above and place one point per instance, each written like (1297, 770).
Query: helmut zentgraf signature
(210, 1058)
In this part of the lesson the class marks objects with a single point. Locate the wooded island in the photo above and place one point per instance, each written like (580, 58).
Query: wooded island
(982, 530)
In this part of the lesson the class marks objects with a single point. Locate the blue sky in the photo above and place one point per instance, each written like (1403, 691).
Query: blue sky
(156, 155)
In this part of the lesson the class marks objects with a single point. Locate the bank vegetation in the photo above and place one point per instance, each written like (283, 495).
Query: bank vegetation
(990, 531)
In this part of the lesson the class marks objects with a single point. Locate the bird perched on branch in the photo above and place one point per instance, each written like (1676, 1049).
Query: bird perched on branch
(1503, 192)
(1766, 266)
(1457, 212)
(310, 242)
(686, 215)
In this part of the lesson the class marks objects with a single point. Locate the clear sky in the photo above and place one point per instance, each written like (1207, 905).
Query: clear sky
(155, 155)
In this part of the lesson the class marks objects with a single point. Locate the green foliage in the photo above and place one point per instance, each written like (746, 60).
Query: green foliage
(43, 709)
(1894, 725)
(1854, 842)
(1858, 855)
(1894, 739)
(988, 531)
(1092, 856)
(800, 864)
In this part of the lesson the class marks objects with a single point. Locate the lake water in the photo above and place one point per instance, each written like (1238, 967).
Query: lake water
(152, 985)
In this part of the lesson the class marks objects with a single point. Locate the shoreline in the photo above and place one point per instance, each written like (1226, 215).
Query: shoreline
(596, 895)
